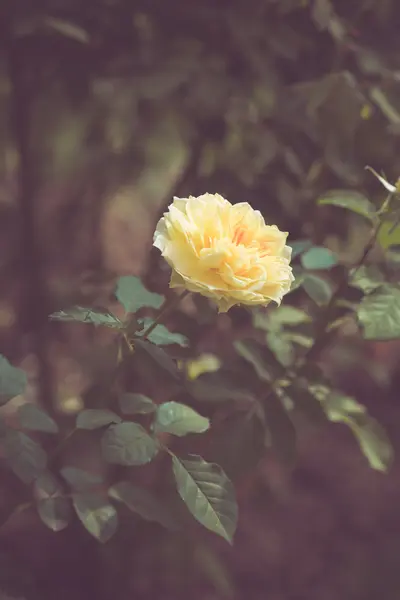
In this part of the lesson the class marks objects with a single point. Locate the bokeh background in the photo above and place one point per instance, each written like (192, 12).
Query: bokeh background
(118, 105)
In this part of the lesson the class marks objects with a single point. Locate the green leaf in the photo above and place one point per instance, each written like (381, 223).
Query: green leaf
(299, 275)
(79, 479)
(370, 435)
(128, 444)
(318, 258)
(339, 407)
(143, 502)
(299, 246)
(55, 512)
(25, 456)
(34, 418)
(88, 315)
(96, 514)
(379, 314)
(12, 381)
(265, 321)
(281, 431)
(374, 443)
(318, 289)
(132, 294)
(157, 356)
(282, 347)
(94, 418)
(179, 419)
(319, 390)
(389, 234)
(136, 404)
(351, 200)
(274, 320)
(161, 336)
(46, 485)
(366, 278)
(289, 315)
(54, 509)
(298, 338)
(251, 351)
(208, 494)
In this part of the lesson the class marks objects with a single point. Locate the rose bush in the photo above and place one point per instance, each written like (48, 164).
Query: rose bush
(228, 253)
(223, 251)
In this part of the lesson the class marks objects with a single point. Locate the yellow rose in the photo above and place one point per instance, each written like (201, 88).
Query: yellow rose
(223, 251)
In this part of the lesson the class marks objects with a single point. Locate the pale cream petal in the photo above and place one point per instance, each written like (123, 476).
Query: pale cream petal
(176, 281)
(180, 204)
(287, 253)
(224, 304)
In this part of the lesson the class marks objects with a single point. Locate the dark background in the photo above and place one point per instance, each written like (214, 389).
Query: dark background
(112, 107)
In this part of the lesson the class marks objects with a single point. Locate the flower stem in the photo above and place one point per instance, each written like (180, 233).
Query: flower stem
(169, 304)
